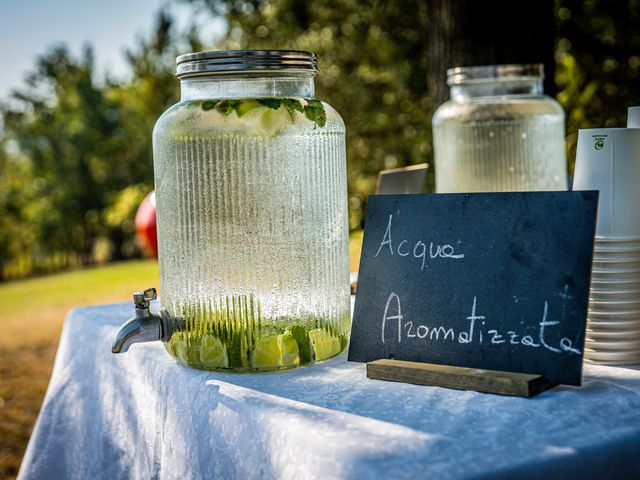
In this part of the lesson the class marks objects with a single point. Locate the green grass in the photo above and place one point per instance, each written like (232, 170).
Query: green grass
(33, 309)
(355, 248)
(31, 317)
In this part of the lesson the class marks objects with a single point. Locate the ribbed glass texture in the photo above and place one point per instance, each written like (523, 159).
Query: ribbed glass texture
(253, 235)
(504, 144)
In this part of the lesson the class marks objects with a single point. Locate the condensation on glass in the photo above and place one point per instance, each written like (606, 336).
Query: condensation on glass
(251, 192)
(499, 132)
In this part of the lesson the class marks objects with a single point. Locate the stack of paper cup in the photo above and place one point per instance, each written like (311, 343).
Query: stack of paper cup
(608, 160)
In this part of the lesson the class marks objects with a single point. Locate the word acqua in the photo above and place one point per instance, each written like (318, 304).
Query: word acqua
(419, 250)
(475, 332)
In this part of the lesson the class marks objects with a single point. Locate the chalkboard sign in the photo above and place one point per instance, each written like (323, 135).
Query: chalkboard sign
(496, 281)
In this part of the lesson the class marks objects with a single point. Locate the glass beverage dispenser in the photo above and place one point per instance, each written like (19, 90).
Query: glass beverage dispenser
(251, 192)
(499, 132)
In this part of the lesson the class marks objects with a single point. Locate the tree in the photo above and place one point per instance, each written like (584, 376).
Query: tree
(152, 89)
(78, 145)
(75, 150)
(372, 59)
(468, 32)
(598, 55)
(66, 136)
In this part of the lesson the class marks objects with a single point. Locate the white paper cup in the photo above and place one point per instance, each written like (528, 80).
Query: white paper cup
(614, 307)
(616, 247)
(598, 283)
(610, 330)
(610, 362)
(613, 345)
(612, 259)
(621, 269)
(621, 240)
(617, 303)
(613, 320)
(619, 334)
(608, 160)
(612, 242)
(614, 295)
(632, 356)
(597, 315)
(629, 266)
(617, 252)
(615, 275)
(616, 257)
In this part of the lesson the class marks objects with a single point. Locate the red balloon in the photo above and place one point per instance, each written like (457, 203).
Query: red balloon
(146, 230)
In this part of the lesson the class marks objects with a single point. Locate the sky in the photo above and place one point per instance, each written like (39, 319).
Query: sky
(28, 28)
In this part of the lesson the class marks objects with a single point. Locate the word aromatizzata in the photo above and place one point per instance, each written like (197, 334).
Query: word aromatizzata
(475, 332)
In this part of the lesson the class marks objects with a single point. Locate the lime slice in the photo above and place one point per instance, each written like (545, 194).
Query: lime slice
(213, 353)
(268, 352)
(302, 338)
(246, 106)
(237, 350)
(324, 344)
(272, 120)
(344, 341)
(290, 351)
(172, 344)
(193, 347)
(181, 348)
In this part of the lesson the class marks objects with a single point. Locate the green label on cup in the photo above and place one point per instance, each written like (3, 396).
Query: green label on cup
(599, 141)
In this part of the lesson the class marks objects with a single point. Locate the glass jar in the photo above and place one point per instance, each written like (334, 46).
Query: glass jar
(499, 132)
(251, 194)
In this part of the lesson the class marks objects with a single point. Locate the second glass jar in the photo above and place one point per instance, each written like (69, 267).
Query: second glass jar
(499, 132)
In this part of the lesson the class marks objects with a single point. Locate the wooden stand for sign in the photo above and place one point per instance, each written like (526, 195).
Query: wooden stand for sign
(461, 378)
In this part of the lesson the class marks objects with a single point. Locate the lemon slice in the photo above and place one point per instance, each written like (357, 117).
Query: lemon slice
(324, 344)
(267, 352)
(213, 352)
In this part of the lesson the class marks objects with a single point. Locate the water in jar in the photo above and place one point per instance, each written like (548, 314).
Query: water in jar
(253, 233)
(492, 145)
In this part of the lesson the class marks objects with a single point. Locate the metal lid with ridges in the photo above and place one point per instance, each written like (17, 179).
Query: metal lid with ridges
(481, 73)
(241, 61)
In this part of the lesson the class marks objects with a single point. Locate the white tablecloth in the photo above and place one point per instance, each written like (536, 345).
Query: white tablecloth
(142, 415)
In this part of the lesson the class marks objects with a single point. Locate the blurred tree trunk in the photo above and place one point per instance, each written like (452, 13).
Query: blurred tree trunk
(472, 32)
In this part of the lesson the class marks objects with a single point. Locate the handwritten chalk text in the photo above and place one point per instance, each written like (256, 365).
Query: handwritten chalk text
(418, 250)
(475, 332)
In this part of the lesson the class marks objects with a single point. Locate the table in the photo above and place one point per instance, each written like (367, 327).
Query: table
(142, 415)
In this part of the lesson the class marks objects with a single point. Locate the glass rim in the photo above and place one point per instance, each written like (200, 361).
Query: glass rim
(486, 73)
(245, 61)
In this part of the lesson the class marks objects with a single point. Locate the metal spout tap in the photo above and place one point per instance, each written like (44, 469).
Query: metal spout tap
(144, 327)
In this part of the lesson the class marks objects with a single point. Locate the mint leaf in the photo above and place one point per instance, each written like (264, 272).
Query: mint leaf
(314, 111)
(225, 107)
(208, 105)
(291, 104)
(270, 102)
